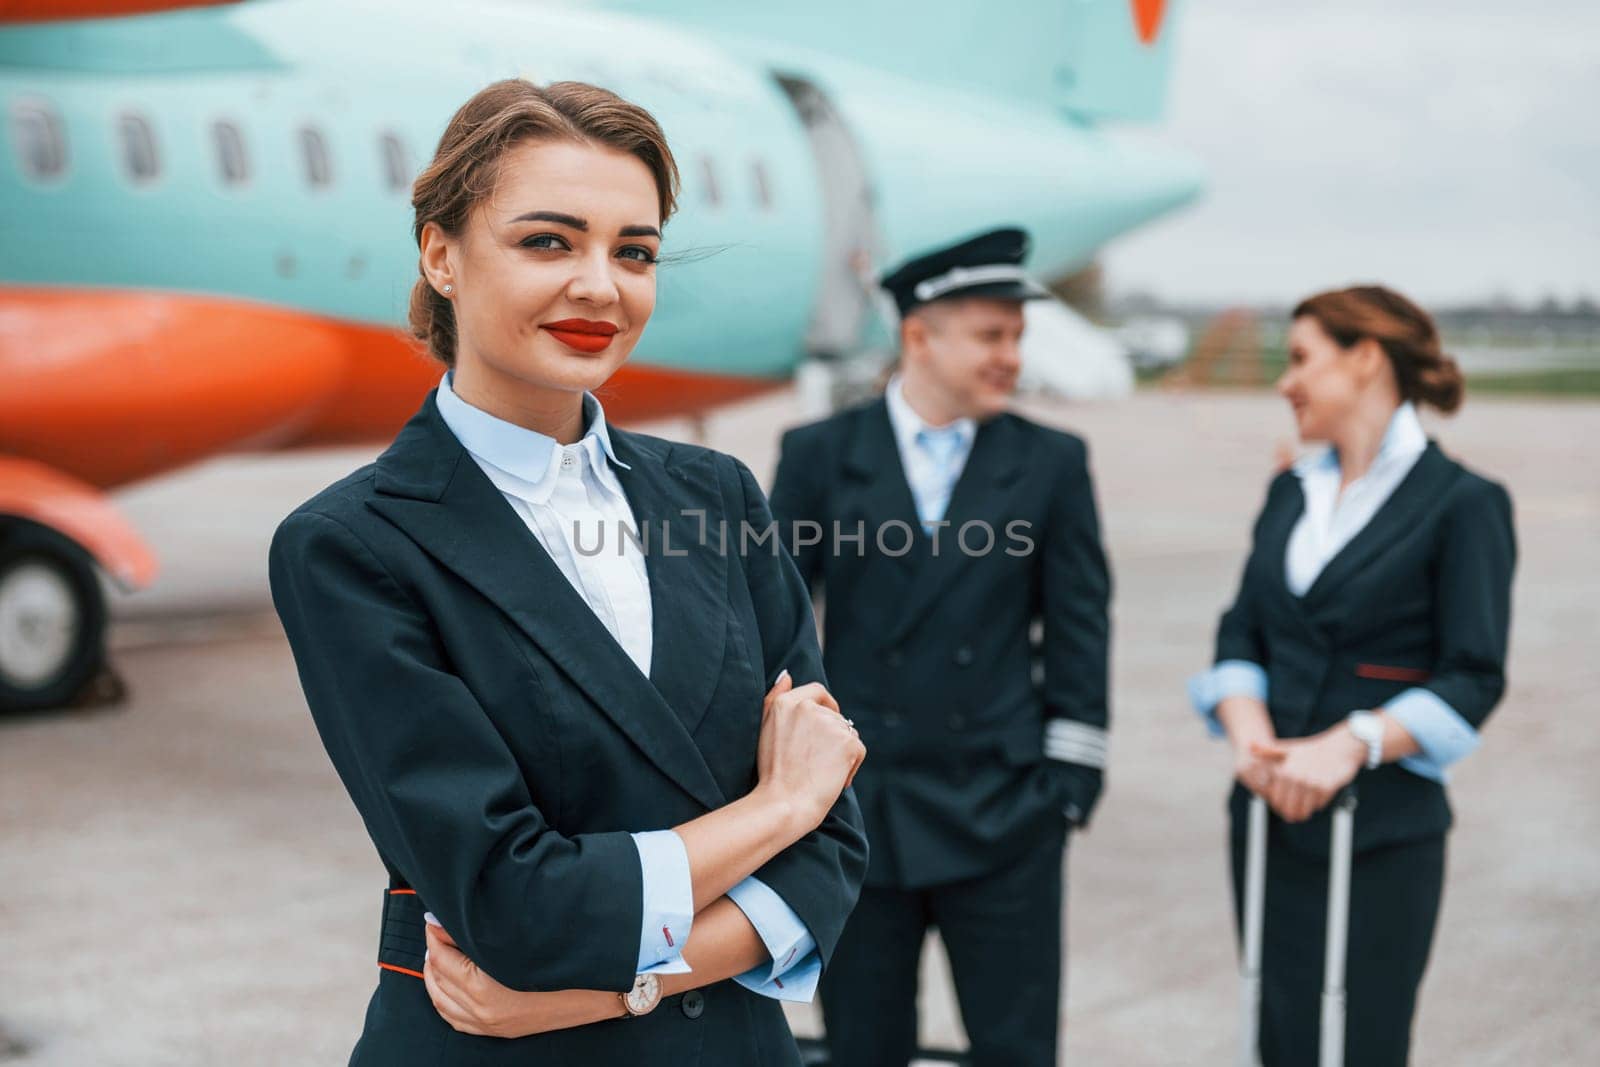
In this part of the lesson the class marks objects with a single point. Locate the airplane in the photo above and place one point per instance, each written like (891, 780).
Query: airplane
(206, 241)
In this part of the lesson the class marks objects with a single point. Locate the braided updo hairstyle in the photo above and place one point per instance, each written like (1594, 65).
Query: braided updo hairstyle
(1407, 334)
(465, 167)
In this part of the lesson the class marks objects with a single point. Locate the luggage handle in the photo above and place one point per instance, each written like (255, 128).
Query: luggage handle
(1331, 1043)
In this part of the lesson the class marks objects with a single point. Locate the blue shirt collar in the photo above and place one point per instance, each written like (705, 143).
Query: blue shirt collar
(907, 423)
(515, 449)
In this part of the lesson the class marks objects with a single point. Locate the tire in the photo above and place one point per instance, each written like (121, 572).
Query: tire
(52, 619)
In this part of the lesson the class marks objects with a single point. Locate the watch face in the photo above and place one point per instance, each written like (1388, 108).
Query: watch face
(646, 991)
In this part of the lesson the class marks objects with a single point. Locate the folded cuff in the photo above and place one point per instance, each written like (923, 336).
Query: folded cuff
(1229, 678)
(668, 912)
(798, 984)
(788, 942)
(1438, 729)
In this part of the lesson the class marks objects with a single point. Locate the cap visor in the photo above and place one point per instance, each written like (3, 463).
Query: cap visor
(1014, 290)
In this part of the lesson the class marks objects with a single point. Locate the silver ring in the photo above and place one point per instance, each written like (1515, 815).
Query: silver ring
(849, 722)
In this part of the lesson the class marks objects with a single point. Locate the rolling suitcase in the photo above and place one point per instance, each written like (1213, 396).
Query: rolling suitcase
(1331, 1046)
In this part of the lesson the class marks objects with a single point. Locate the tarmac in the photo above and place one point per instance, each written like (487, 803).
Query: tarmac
(183, 881)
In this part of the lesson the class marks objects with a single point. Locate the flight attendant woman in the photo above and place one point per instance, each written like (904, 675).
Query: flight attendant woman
(546, 692)
(1367, 644)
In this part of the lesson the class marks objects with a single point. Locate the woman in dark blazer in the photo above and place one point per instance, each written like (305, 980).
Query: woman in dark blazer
(1366, 644)
(542, 682)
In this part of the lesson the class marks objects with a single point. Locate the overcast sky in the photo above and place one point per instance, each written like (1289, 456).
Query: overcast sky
(1448, 147)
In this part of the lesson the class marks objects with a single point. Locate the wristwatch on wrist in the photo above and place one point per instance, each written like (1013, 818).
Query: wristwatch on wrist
(643, 997)
(1368, 729)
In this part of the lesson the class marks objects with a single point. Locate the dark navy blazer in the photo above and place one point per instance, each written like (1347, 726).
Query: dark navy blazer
(952, 664)
(1420, 597)
(501, 746)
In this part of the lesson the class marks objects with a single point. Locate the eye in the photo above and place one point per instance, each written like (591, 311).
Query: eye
(638, 253)
(544, 240)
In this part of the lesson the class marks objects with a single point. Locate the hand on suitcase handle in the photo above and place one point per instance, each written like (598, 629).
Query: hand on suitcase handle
(1309, 772)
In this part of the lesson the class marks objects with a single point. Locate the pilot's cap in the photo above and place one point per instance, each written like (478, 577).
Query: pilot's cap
(989, 265)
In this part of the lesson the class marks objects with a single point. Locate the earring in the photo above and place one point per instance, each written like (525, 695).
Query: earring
(448, 289)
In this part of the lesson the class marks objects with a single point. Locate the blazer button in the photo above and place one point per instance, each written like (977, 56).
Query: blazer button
(895, 659)
(891, 719)
(965, 656)
(694, 1004)
(956, 721)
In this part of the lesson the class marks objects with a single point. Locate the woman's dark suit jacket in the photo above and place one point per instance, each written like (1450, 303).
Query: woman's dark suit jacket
(1420, 597)
(501, 746)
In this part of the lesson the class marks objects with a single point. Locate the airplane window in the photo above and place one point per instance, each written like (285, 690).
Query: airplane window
(231, 157)
(314, 148)
(708, 174)
(397, 167)
(138, 147)
(763, 185)
(41, 143)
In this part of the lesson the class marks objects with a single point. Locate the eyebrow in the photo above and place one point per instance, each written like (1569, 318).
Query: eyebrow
(563, 219)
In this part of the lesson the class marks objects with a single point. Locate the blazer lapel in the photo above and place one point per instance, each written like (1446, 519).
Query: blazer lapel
(1421, 489)
(980, 494)
(432, 490)
(687, 562)
(881, 492)
(1274, 549)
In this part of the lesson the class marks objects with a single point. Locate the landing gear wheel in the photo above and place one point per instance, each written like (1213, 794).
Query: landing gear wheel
(52, 619)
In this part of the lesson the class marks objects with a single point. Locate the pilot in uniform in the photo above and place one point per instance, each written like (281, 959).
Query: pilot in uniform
(958, 550)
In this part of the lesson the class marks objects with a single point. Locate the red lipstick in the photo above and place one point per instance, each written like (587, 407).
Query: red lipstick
(585, 335)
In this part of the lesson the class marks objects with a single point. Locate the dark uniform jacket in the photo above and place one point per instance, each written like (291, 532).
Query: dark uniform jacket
(1420, 597)
(501, 746)
(951, 664)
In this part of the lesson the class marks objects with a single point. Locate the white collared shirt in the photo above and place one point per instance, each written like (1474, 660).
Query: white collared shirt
(571, 500)
(1331, 518)
(931, 478)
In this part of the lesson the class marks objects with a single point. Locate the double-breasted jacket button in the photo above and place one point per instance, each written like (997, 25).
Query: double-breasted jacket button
(895, 659)
(955, 720)
(694, 1004)
(965, 656)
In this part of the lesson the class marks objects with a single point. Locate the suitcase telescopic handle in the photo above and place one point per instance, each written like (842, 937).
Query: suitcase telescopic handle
(1331, 1040)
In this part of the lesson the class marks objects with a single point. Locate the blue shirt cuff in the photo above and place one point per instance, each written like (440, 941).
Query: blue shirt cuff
(1230, 678)
(795, 964)
(668, 902)
(1438, 729)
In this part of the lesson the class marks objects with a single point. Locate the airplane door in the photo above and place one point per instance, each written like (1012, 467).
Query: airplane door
(851, 242)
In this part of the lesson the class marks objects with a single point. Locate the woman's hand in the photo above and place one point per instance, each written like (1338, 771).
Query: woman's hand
(474, 1003)
(1307, 773)
(1253, 770)
(807, 753)
(1249, 726)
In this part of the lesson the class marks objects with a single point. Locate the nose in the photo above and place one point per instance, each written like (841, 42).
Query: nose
(592, 282)
(1011, 355)
(1283, 384)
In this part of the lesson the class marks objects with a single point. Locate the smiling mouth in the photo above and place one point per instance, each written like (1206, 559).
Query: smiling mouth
(582, 334)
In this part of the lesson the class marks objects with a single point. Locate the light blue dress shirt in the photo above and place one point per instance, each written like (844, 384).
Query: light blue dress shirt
(933, 456)
(1330, 520)
(523, 464)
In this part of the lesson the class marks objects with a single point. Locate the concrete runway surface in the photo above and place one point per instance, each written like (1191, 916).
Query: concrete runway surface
(183, 881)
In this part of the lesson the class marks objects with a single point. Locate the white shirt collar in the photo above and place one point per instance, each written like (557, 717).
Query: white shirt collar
(1404, 439)
(530, 458)
(907, 423)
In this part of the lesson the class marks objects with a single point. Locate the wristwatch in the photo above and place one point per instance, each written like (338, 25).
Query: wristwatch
(1368, 729)
(643, 997)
